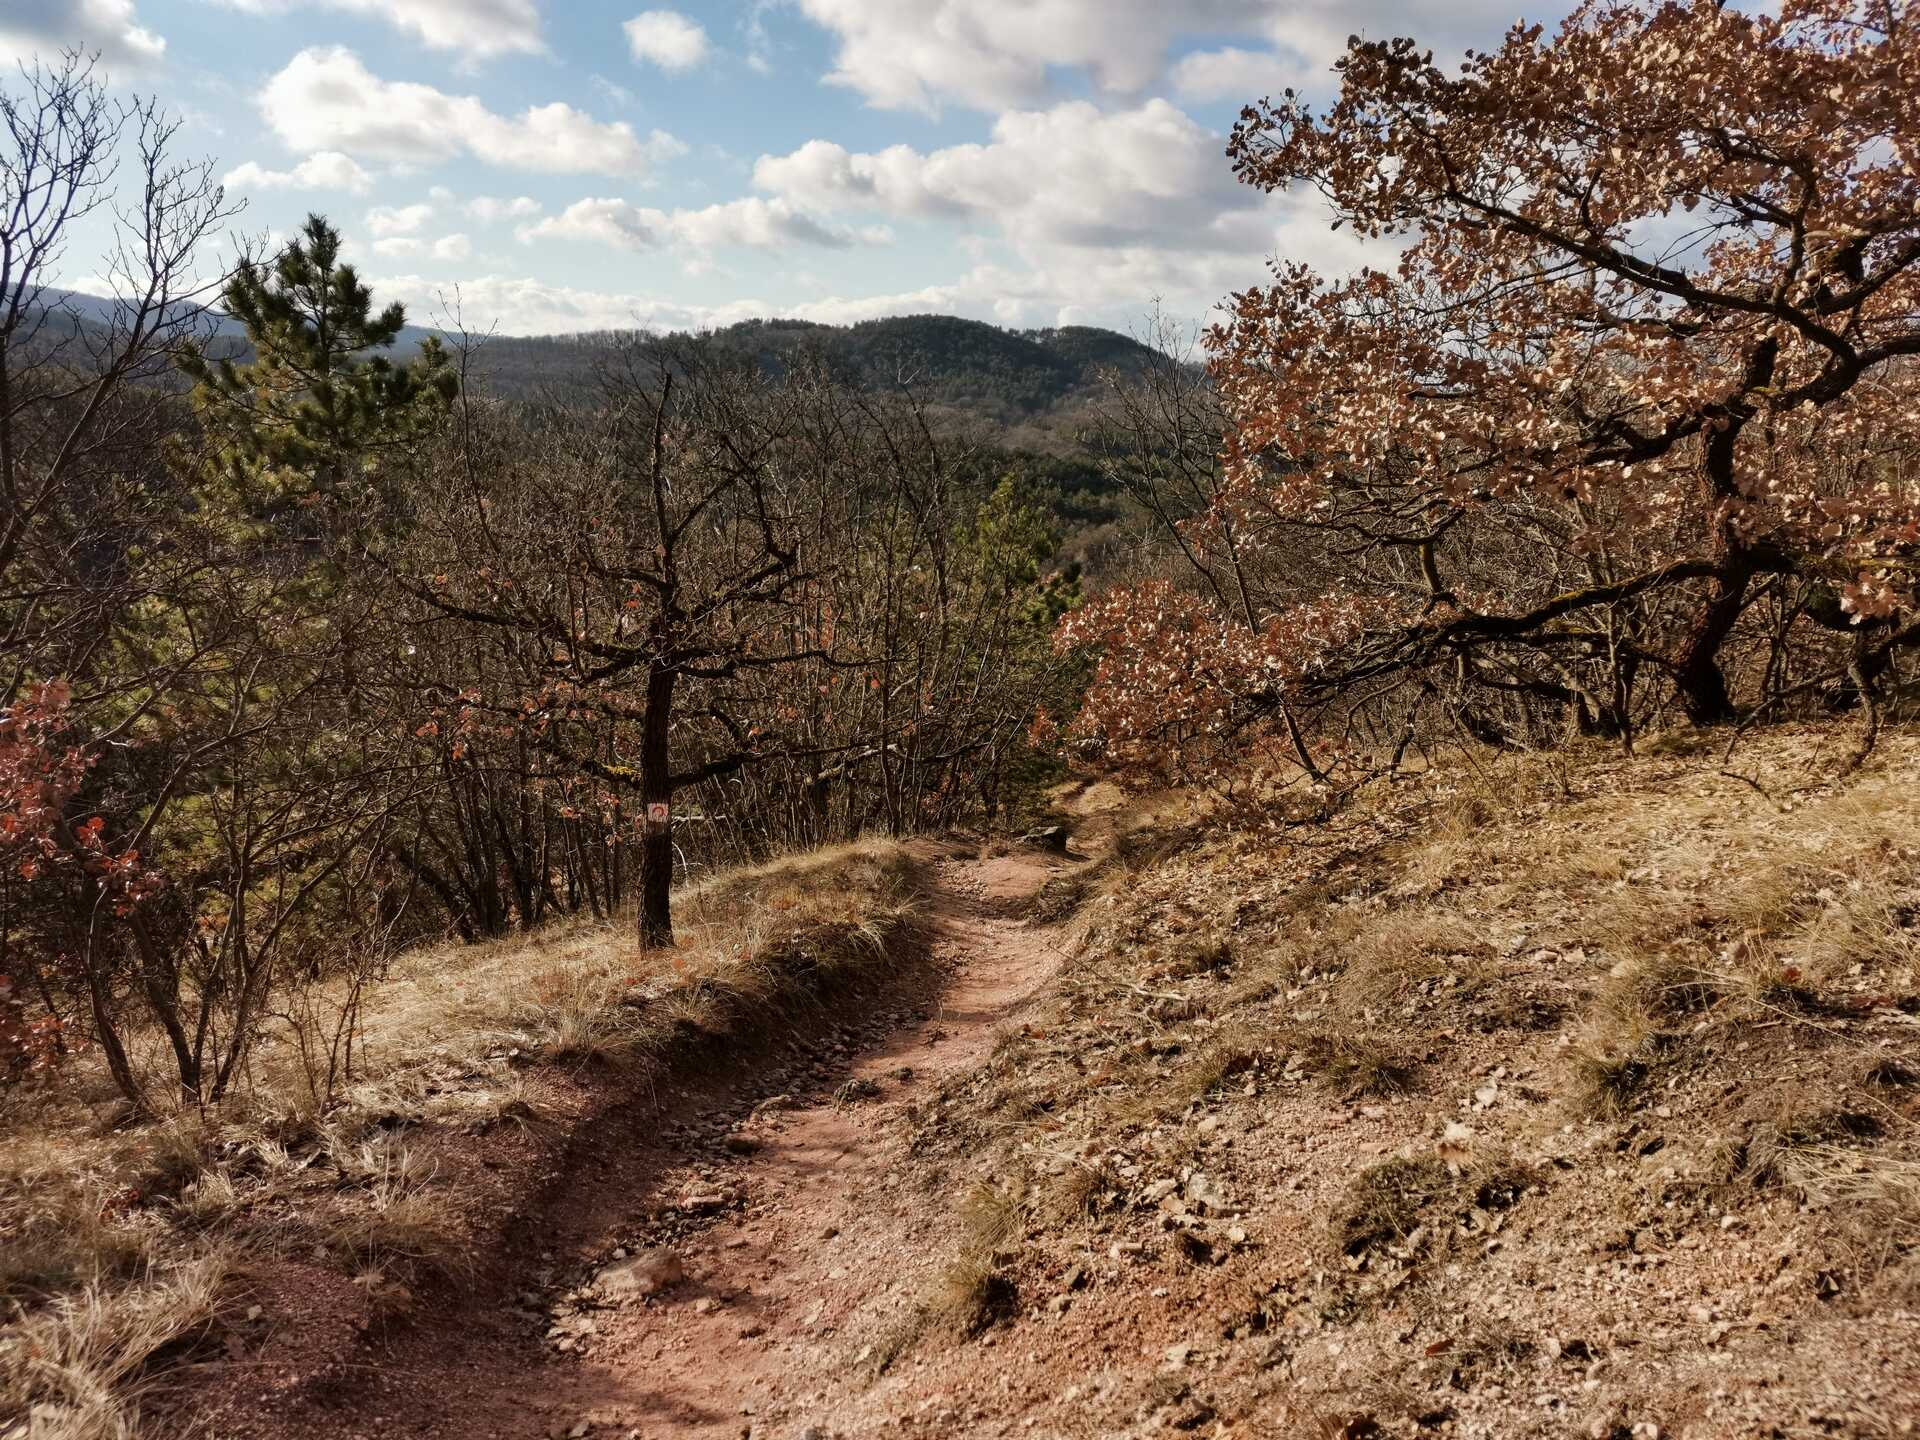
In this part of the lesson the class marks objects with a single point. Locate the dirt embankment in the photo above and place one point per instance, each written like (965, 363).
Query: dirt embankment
(1562, 1095)
(697, 1260)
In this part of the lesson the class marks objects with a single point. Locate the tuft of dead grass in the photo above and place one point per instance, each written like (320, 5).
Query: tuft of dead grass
(975, 1291)
(1351, 1061)
(1383, 1203)
(80, 1367)
(1388, 1204)
(400, 1211)
(1879, 1194)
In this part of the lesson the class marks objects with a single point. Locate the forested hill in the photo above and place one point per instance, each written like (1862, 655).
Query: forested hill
(1003, 374)
(991, 373)
(1024, 398)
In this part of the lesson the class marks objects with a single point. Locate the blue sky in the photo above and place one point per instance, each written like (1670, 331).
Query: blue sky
(569, 164)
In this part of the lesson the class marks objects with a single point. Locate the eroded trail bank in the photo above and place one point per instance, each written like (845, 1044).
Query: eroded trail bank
(746, 1261)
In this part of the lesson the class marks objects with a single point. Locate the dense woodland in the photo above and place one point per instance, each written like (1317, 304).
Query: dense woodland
(314, 652)
(320, 644)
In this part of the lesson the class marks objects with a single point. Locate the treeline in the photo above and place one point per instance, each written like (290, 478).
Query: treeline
(311, 653)
(1042, 377)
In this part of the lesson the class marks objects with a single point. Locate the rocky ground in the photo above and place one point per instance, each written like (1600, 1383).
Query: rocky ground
(704, 1275)
(1566, 1096)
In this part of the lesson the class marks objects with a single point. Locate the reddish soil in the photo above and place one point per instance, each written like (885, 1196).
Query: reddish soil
(1144, 1091)
(787, 1197)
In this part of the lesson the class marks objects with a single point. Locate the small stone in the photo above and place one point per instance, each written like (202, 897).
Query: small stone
(645, 1274)
(1193, 1247)
(1191, 1416)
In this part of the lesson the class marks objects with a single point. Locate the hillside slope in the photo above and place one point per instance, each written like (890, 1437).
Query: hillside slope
(966, 364)
(1540, 1097)
(1535, 1095)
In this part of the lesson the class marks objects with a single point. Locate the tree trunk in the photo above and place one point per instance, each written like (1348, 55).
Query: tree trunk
(656, 788)
(1697, 673)
(105, 1026)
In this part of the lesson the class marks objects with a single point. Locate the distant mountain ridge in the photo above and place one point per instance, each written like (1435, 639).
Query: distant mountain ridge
(98, 311)
(963, 363)
(997, 373)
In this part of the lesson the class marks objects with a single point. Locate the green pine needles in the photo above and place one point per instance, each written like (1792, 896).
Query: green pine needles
(311, 420)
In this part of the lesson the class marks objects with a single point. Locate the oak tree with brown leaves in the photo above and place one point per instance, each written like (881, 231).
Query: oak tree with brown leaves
(1639, 396)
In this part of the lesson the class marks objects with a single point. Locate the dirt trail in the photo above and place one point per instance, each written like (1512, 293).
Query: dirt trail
(823, 1235)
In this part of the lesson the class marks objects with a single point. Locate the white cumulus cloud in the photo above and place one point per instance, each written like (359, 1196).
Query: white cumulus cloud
(328, 170)
(752, 222)
(1072, 174)
(668, 39)
(1239, 75)
(1101, 209)
(41, 29)
(993, 54)
(326, 99)
(479, 29)
(398, 219)
(521, 305)
(490, 209)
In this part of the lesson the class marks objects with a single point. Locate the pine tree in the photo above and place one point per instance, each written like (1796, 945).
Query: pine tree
(308, 422)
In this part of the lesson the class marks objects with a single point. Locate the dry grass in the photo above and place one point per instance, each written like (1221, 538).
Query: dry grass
(1685, 1002)
(1880, 1194)
(1384, 1202)
(105, 1232)
(79, 1368)
(398, 1212)
(582, 993)
(72, 1204)
(974, 1290)
(1390, 1204)
(1354, 1063)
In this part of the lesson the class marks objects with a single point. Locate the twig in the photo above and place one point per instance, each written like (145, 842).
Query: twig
(1749, 780)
